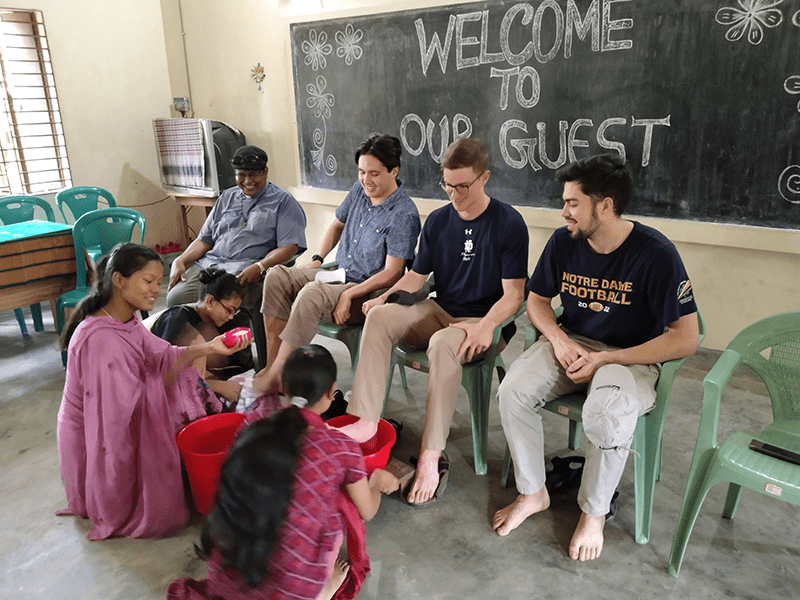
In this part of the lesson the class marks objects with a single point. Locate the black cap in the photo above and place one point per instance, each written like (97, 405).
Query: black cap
(251, 158)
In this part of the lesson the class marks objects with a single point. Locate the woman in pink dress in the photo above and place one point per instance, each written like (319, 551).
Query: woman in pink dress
(127, 393)
(289, 490)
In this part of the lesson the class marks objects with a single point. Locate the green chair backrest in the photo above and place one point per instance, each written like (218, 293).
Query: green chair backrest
(18, 209)
(111, 226)
(771, 348)
(81, 199)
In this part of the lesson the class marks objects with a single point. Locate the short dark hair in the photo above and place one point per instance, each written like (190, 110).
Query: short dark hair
(601, 176)
(386, 148)
(466, 152)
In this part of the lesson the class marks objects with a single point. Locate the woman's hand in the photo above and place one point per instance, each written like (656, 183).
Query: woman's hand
(217, 345)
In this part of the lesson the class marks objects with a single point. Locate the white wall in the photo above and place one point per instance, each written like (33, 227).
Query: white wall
(111, 74)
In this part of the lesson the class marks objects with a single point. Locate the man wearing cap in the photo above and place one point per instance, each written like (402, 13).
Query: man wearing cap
(628, 306)
(251, 228)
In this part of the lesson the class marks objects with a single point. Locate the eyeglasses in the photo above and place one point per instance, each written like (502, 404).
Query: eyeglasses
(461, 188)
(248, 161)
(229, 309)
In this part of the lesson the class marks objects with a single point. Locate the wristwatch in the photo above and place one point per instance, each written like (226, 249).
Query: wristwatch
(262, 267)
(318, 257)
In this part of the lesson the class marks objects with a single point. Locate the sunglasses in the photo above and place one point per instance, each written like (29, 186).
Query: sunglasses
(248, 161)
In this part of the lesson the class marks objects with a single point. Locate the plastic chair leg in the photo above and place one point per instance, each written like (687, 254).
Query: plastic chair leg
(21, 320)
(732, 500)
(696, 489)
(403, 375)
(507, 478)
(479, 409)
(36, 313)
(644, 481)
(574, 434)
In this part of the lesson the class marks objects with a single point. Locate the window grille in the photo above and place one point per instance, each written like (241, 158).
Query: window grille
(33, 152)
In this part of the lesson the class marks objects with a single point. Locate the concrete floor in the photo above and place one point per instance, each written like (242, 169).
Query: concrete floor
(445, 551)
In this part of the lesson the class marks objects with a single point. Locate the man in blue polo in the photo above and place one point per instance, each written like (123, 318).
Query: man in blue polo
(251, 228)
(376, 228)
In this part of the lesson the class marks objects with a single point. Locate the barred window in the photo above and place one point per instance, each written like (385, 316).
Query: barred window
(33, 153)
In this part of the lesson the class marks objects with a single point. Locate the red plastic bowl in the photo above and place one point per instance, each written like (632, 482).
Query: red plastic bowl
(204, 444)
(377, 450)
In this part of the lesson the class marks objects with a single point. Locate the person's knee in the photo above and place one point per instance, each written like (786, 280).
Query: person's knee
(446, 342)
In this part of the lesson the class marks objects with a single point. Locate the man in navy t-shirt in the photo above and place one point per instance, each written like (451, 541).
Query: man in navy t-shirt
(477, 249)
(628, 306)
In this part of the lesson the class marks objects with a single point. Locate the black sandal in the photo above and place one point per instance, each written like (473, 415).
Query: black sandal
(566, 473)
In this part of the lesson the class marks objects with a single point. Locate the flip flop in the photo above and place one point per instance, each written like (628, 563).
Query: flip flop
(612, 509)
(566, 473)
(403, 471)
(444, 474)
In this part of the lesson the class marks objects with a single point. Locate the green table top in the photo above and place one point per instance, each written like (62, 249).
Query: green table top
(29, 229)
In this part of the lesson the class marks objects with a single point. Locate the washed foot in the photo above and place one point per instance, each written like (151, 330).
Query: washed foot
(587, 541)
(361, 431)
(427, 478)
(509, 518)
(340, 569)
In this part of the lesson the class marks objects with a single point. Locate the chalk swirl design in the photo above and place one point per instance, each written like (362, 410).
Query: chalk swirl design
(789, 184)
(792, 86)
(322, 102)
(316, 49)
(750, 20)
(348, 44)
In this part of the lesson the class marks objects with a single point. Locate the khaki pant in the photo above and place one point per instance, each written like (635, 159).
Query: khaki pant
(536, 378)
(423, 325)
(294, 296)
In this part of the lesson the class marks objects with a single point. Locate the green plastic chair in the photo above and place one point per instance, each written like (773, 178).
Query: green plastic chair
(80, 200)
(110, 226)
(476, 379)
(18, 209)
(771, 348)
(646, 438)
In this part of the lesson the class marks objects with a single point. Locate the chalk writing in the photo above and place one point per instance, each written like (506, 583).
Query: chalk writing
(548, 16)
(462, 127)
(529, 148)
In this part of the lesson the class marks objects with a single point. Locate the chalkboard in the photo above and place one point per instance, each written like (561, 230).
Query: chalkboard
(700, 96)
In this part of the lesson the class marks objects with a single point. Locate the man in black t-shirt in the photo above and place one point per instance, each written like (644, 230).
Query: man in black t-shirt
(628, 306)
(477, 249)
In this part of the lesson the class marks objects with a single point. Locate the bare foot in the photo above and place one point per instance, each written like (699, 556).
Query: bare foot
(427, 478)
(340, 569)
(361, 430)
(509, 518)
(587, 541)
(266, 382)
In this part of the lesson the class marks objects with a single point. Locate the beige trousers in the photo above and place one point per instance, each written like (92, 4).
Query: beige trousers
(294, 296)
(423, 325)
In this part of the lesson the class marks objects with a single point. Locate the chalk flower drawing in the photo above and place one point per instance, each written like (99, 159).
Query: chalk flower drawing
(751, 20)
(796, 19)
(258, 74)
(348, 44)
(316, 49)
(320, 100)
(792, 86)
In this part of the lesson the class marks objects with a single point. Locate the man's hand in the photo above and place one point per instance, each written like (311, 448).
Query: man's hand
(342, 311)
(567, 351)
(583, 369)
(479, 338)
(312, 264)
(250, 275)
(370, 304)
(177, 272)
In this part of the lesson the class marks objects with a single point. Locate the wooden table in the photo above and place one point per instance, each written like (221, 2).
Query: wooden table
(186, 201)
(37, 263)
